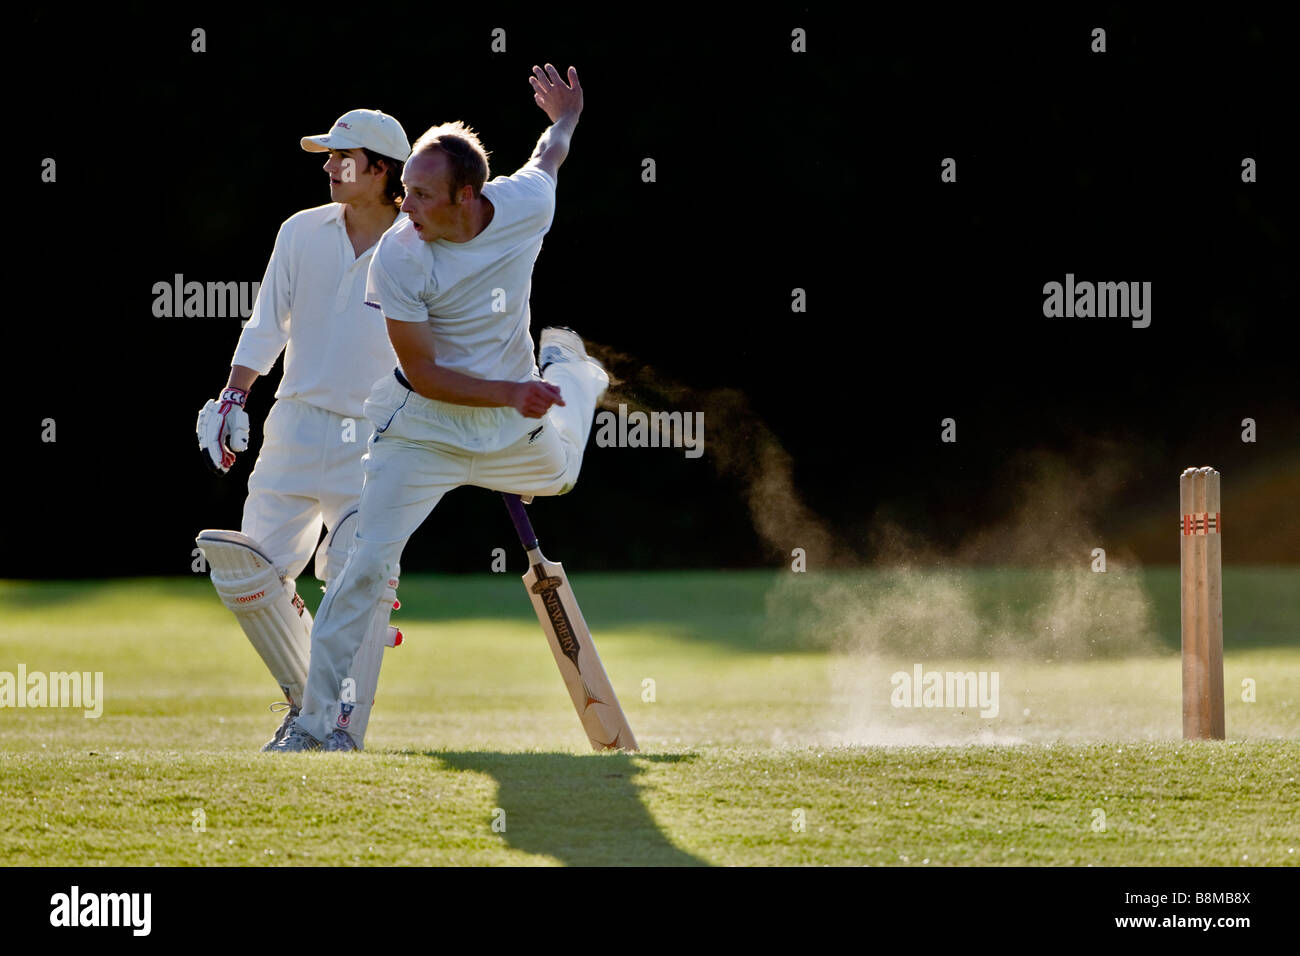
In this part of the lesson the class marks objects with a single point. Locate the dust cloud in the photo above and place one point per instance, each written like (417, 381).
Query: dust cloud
(1026, 586)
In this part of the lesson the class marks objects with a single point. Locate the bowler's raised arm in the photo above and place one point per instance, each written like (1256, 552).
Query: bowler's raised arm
(562, 104)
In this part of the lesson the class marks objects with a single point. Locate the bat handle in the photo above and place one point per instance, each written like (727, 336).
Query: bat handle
(527, 536)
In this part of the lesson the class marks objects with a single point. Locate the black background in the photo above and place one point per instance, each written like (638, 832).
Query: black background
(775, 170)
(1085, 902)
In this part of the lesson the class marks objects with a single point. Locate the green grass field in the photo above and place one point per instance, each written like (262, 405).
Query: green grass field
(770, 739)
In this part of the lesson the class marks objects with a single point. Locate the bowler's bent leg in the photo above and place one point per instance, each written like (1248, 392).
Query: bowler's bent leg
(582, 384)
(547, 461)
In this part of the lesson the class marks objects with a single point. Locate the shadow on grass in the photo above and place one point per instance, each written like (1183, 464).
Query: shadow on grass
(581, 810)
(68, 593)
(24, 595)
(756, 611)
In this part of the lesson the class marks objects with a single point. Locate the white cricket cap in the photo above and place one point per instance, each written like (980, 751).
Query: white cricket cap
(363, 129)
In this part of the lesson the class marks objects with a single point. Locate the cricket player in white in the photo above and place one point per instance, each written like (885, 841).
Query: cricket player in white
(468, 405)
(311, 306)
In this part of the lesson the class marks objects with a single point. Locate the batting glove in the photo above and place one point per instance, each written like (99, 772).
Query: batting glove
(223, 429)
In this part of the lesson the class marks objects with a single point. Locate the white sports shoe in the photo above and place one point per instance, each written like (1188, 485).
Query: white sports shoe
(561, 344)
(296, 740)
(285, 724)
(338, 742)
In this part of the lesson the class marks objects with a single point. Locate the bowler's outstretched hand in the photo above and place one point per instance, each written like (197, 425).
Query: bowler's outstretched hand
(557, 99)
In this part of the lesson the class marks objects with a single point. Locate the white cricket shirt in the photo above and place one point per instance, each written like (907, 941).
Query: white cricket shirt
(311, 304)
(474, 295)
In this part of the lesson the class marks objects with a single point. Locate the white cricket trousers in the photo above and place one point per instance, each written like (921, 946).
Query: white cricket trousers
(412, 462)
(307, 473)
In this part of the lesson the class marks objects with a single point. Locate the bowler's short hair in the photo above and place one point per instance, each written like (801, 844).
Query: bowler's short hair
(467, 159)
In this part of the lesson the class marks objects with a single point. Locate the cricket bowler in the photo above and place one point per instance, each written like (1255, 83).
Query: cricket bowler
(308, 473)
(467, 403)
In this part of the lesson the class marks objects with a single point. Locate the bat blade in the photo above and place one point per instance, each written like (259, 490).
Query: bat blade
(575, 654)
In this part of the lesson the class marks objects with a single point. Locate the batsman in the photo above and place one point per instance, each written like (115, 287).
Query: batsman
(467, 403)
(308, 473)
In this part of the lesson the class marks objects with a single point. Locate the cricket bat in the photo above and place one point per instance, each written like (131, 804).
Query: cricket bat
(575, 653)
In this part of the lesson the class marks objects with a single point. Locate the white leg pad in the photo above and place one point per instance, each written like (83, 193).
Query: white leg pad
(275, 619)
(333, 551)
(359, 697)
